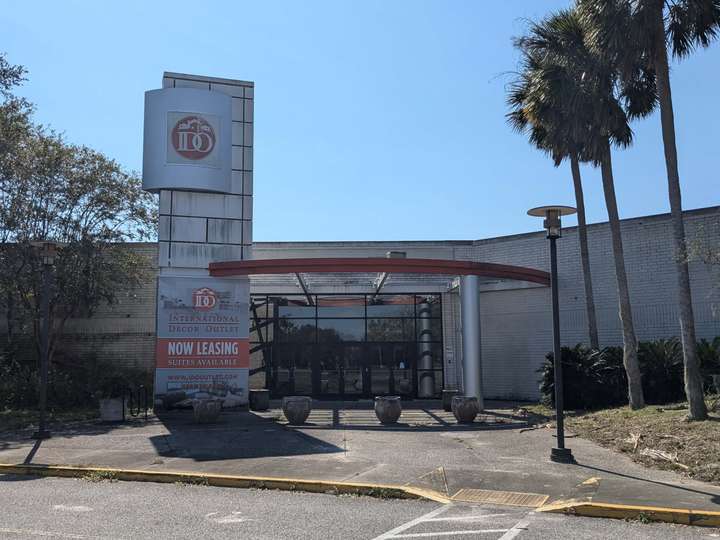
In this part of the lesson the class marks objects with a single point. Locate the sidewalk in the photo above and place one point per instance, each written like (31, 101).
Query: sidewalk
(346, 443)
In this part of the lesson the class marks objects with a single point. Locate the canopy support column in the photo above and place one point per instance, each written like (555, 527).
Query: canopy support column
(472, 361)
(426, 386)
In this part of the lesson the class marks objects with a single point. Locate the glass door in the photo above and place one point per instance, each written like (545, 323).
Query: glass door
(327, 372)
(379, 370)
(302, 371)
(353, 371)
(390, 369)
(402, 364)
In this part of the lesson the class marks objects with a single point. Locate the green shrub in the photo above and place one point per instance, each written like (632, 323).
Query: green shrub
(709, 356)
(591, 378)
(72, 382)
(18, 379)
(596, 379)
(661, 365)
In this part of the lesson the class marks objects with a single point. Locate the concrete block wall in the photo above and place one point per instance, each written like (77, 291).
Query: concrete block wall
(515, 317)
(124, 332)
(517, 324)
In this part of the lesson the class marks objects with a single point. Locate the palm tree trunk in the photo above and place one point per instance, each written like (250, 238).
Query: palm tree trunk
(630, 358)
(584, 254)
(693, 378)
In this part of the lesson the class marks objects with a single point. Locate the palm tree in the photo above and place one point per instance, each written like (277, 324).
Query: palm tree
(582, 92)
(642, 30)
(550, 136)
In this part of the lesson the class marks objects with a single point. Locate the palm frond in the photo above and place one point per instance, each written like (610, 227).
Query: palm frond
(692, 23)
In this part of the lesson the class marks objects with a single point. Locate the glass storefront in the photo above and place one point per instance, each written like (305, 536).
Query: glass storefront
(348, 346)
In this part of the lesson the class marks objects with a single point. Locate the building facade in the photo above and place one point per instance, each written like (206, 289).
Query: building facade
(342, 336)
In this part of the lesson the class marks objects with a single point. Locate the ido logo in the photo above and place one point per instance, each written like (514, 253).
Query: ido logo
(204, 299)
(193, 137)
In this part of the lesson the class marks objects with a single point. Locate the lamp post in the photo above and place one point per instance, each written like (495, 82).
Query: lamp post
(47, 251)
(552, 224)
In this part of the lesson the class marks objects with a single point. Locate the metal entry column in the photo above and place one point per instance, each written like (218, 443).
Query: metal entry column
(426, 386)
(470, 313)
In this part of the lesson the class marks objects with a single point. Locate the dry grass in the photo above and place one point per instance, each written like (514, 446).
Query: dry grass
(100, 476)
(656, 436)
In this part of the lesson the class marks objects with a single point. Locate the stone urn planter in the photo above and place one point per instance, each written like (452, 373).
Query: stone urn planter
(111, 410)
(447, 397)
(465, 409)
(388, 409)
(259, 400)
(206, 411)
(296, 409)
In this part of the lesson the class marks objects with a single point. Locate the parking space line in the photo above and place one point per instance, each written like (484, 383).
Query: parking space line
(466, 518)
(405, 526)
(448, 533)
(48, 534)
(516, 529)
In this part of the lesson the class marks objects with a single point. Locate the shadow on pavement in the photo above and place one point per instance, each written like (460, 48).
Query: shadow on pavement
(19, 477)
(238, 435)
(714, 497)
(33, 451)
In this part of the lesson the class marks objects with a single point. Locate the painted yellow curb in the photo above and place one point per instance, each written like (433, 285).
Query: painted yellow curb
(224, 480)
(703, 518)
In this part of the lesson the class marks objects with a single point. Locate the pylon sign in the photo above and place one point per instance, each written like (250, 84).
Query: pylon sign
(202, 338)
(197, 156)
(187, 140)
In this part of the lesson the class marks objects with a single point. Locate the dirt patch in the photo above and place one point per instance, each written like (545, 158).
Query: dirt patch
(656, 436)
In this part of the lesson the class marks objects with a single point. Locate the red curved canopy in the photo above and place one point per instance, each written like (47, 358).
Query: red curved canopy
(378, 264)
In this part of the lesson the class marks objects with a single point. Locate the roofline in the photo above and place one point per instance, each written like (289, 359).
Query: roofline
(450, 243)
(652, 217)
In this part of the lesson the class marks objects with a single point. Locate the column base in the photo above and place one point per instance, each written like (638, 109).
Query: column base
(561, 455)
(41, 434)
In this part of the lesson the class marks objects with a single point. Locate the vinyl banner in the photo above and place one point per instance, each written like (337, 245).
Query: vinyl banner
(202, 338)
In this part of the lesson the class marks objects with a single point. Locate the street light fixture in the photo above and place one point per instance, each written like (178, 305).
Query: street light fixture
(47, 252)
(552, 224)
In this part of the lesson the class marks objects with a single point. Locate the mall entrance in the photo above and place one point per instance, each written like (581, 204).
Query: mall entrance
(349, 346)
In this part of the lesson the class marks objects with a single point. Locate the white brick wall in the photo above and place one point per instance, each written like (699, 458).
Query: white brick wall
(517, 324)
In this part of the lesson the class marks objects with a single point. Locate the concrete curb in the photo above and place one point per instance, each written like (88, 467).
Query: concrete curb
(380, 491)
(702, 518)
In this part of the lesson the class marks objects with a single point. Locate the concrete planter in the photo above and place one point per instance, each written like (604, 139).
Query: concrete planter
(111, 410)
(206, 411)
(465, 409)
(296, 409)
(259, 400)
(388, 409)
(447, 397)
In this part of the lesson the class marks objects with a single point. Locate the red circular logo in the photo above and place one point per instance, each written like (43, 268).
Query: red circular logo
(193, 137)
(204, 299)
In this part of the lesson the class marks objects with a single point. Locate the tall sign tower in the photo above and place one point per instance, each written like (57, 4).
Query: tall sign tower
(198, 156)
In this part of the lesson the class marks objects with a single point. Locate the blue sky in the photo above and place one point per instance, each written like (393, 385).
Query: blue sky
(375, 119)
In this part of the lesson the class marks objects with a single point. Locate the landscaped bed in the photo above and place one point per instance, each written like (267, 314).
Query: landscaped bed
(657, 436)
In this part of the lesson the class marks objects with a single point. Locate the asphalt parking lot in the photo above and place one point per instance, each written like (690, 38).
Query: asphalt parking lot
(36, 507)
